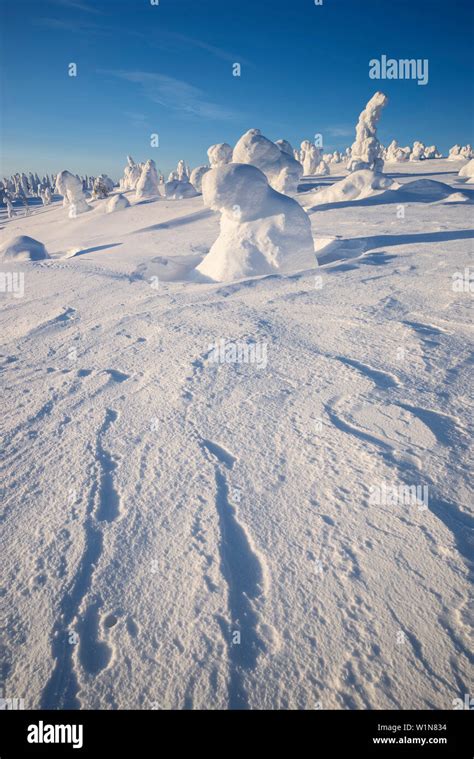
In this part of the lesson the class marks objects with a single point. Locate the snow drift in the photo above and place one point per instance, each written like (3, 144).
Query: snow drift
(467, 171)
(262, 231)
(117, 203)
(358, 185)
(23, 248)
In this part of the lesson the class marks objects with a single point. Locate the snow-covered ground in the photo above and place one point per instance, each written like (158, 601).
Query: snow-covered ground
(181, 532)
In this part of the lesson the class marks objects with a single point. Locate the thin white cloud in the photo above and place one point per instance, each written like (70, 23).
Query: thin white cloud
(340, 131)
(77, 5)
(175, 94)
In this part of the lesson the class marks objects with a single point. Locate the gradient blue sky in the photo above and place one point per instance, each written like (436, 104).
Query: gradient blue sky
(168, 69)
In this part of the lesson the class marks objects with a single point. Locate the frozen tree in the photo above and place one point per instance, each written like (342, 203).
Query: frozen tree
(310, 157)
(219, 154)
(261, 230)
(455, 153)
(178, 185)
(10, 210)
(197, 175)
(21, 195)
(322, 169)
(336, 157)
(432, 152)
(467, 152)
(418, 151)
(23, 185)
(131, 175)
(366, 149)
(100, 189)
(70, 187)
(395, 154)
(181, 172)
(147, 185)
(281, 169)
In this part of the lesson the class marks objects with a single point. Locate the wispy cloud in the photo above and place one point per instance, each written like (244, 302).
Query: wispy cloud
(84, 27)
(218, 52)
(340, 131)
(77, 5)
(174, 94)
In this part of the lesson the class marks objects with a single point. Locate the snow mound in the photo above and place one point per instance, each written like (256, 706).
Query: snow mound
(281, 169)
(262, 231)
(457, 197)
(427, 188)
(23, 248)
(358, 185)
(176, 190)
(467, 170)
(117, 203)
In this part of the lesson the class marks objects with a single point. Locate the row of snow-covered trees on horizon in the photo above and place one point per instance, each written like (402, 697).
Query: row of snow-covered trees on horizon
(282, 165)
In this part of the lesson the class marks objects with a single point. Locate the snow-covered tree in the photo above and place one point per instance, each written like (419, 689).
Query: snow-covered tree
(70, 187)
(262, 231)
(147, 185)
(219, 154)
(131, 175)
(310, 157)
(366, 152)
(281, 169)
(197, 175)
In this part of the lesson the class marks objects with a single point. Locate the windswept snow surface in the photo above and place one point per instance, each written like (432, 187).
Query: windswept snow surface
(193, 512)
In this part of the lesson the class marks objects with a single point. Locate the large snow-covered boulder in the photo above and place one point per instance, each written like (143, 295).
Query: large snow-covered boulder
(219, 155)
(23, 248)
(358, 185)
(117, 203)
(281, 169)
(366, 150)
(147, 185)
(262, 231)
(197, 175)
(70, 187)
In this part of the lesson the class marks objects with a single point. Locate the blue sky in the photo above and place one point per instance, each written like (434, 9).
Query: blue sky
(167, 69)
